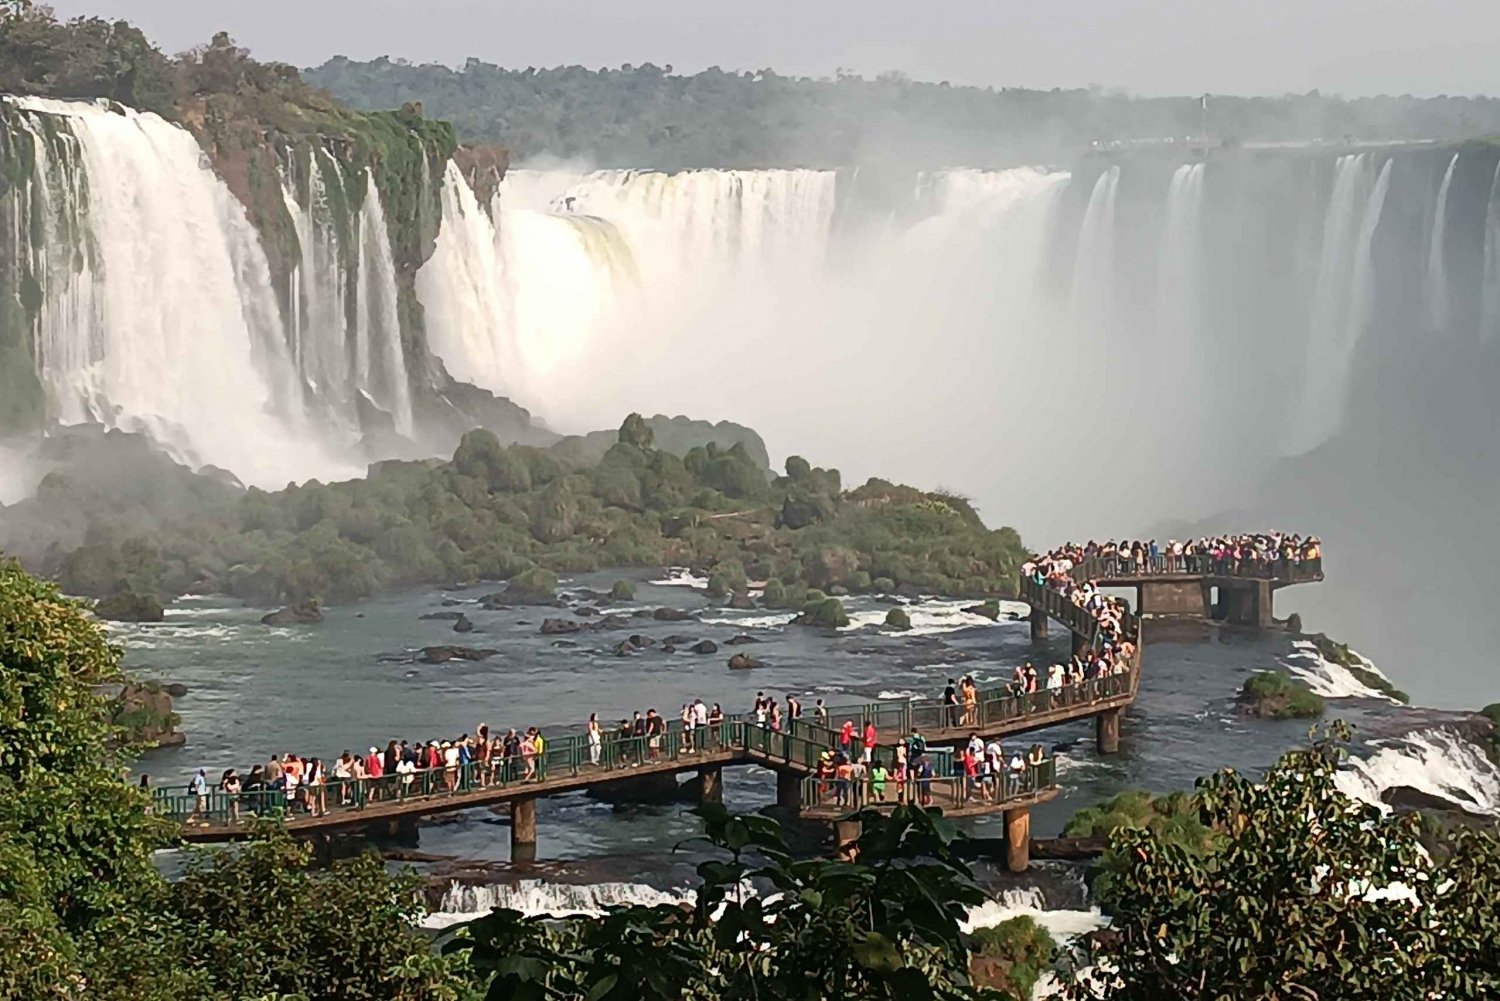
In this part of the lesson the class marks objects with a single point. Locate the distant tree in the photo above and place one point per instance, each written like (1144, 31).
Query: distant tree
(635, 431)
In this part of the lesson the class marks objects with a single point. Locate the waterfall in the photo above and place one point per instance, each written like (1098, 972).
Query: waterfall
(157, 311)
(318, 331)
(1179, 276)
(1489, 313)
(379, 360)
(462, 902)
(466, 293)
(1436, 284)
(1094, 265)
(1342, 299)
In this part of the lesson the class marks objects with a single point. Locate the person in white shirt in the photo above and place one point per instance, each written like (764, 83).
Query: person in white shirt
(407, 769)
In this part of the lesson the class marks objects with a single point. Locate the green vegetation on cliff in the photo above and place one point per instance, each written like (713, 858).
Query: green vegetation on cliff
(1011, 955)
(1174, 819)
(1277, 695)
(1341, 654)
(124, 518)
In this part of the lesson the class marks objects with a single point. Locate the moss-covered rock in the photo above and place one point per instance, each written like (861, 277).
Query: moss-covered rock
(622, 590)
(897, 618)
(1277, 695)
(827, 613)
(534, 586)
(143, 711)
(1011, 956)
(989, 609)
(129, 606)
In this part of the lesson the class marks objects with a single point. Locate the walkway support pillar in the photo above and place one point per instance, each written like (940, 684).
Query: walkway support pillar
(1107, 731)
(1038, 625)
(789, 791)
(523, 829)
(1018, 838)
(846, 839)
(711, 784)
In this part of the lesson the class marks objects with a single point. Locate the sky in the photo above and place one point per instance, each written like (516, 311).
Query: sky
(1148, 47)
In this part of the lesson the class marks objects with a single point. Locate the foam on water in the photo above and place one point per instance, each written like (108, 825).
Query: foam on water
(1028, 901)
(1437, 762)
(534, 896)
(681, 577)
(1331, 680)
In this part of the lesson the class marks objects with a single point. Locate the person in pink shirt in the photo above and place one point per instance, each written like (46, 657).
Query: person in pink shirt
(374, 769)
(869, 741)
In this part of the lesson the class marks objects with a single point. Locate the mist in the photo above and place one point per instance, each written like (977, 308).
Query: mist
(1141, 345)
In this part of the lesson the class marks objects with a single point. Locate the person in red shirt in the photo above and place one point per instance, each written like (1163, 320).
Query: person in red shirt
(869, 741)
(374, 769)
(846, 736)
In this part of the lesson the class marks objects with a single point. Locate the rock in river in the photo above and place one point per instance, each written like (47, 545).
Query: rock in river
(443, 654)
(302, 613)
(740, 640)
(129, 606)
(463, 625)
(744, 662)
(671, 615)
(705, 646)
(559, 627)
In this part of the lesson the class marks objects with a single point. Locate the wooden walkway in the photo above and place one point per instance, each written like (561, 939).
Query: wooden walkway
(567, 763)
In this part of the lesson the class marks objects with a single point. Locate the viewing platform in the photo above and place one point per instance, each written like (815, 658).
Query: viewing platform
(1197, 587)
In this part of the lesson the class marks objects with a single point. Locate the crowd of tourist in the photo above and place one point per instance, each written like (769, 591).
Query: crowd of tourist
(1258, 554)
(981, 766)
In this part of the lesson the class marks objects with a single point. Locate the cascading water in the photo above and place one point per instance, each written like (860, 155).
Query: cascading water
(1342, 300)
(1094, 265)
(379, 360)
(156, 310)
(1435, 292)
(1179, 279)
(1489, 313)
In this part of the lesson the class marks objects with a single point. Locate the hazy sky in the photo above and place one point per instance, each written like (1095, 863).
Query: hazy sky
(1351, 47)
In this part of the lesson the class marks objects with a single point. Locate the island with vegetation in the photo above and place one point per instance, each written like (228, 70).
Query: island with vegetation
(519, 514)
(1277, 695)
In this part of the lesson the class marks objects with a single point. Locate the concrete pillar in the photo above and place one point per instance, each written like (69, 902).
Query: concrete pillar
(846, 839)
(1182, 599)
(523, 829)
(1018, 838)
(789, 791)
(711, 785)
(1263, 605)
(1107, 731)
(1038, 625)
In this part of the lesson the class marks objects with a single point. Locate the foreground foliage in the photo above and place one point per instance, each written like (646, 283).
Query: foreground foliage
(85, 916)
(1308, 895)
(764, 925)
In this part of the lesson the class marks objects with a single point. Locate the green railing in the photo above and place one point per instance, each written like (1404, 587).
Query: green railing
(821, 791)
(1104, 567)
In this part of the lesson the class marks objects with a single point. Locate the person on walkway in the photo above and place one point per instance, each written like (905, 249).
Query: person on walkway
(971, 701)
(406, 770)
(916, 746)
(624, 740)
(869, 741)
(343, 773)
(900, 772)
(315, 781)
(822, 713)
(843, 773)
(687, 727)
(229, 785)
(1017, 773)
(793, 707)
(375, 772)
(950, 704)
(596, 739)
(656, 729)
(715, 720)
(528, 756)
(971, 772)
(878, 776)
(762, 710)
(846, 738)
(924, 781)
(859, 775)
(198, 789)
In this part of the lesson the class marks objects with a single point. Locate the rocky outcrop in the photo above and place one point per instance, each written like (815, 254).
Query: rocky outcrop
(1276, 695)
(144, 711)
(302, 613)
(989, 609)
(559, 627)
(672, 615)
(705, 647)
(741, 602)
(463, 625)
(744, 662)
(444, 654)
(897, 619)
(130, 606)
(442, 616)
(740, 639)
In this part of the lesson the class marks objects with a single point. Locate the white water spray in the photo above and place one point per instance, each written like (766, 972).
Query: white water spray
(158, 312)
(1436, 762)
(1436, 285)
(1342, 300)
(1489, 323)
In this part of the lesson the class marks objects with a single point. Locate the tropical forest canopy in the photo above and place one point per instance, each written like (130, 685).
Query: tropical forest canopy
(637, 116)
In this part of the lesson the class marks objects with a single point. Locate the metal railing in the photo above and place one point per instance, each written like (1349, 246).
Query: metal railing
(824, 791)
(1202, 564)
